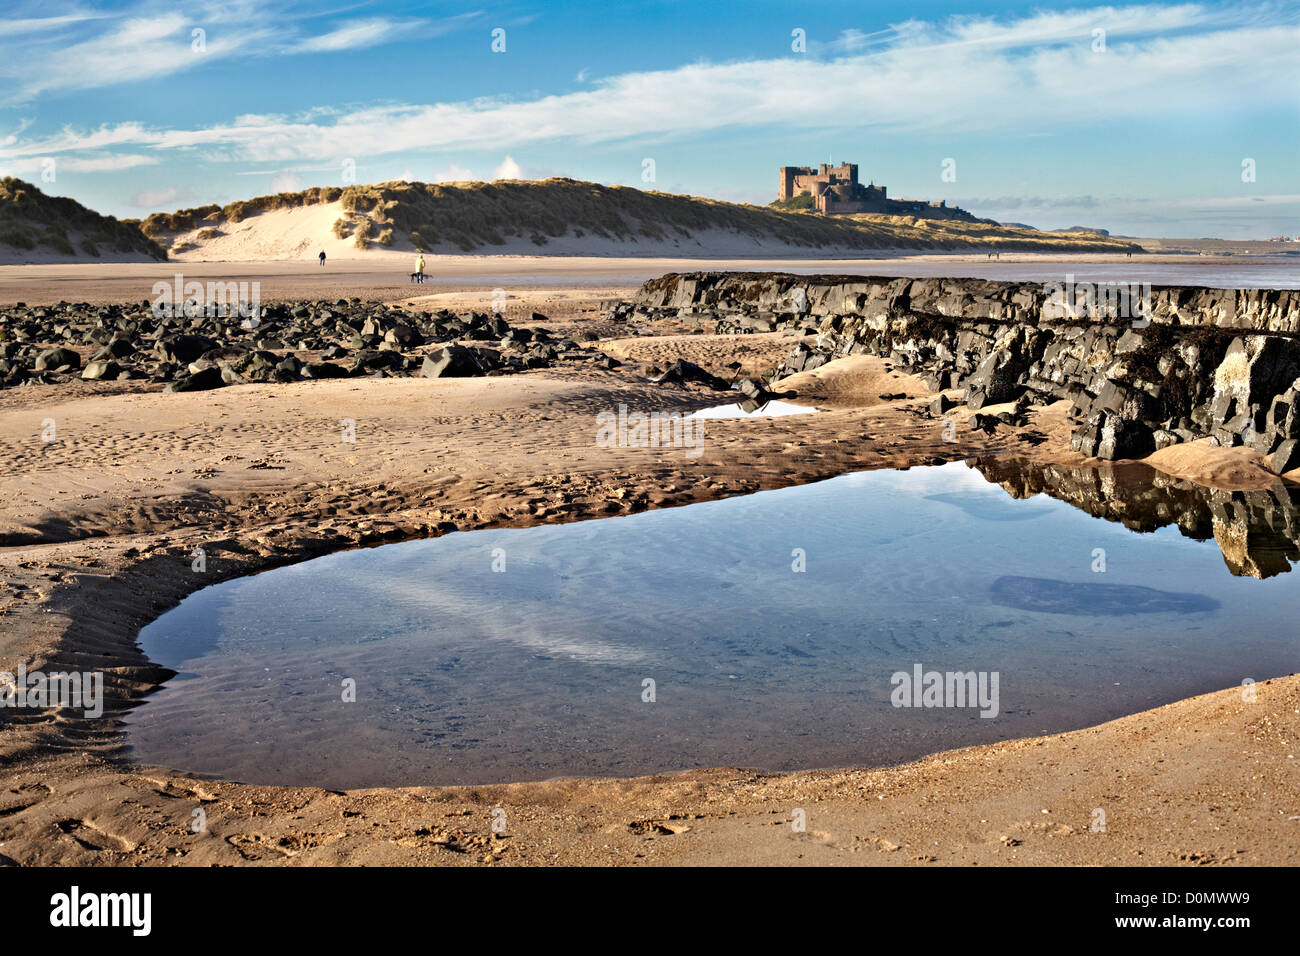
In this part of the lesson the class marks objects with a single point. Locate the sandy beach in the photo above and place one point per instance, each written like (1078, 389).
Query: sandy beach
(385, 276)
(98, 528)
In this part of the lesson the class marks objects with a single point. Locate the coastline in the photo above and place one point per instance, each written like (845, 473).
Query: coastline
(98, 544)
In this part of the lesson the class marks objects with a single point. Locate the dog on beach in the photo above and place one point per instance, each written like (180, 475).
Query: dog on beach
(417, 277)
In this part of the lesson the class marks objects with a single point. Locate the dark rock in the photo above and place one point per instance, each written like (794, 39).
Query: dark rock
(102, 369)
(452, 361)
(682, 372)
(183, 349)
(1124, 439)
(324, 370)
(200, 381)
(52, 359)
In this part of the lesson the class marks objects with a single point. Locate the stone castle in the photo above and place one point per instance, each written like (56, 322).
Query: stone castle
(835, 191)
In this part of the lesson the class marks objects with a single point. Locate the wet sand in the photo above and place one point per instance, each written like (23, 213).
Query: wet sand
(386, 276)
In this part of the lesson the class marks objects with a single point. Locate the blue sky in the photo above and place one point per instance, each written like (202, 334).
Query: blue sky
(1143, 130)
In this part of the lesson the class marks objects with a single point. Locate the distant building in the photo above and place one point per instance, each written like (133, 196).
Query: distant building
(835, 191)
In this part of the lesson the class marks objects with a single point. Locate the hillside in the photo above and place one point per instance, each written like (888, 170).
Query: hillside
(559, 217)
(36, 228)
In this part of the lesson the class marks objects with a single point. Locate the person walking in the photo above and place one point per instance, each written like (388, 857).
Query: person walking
(322, 257)
(419, 269)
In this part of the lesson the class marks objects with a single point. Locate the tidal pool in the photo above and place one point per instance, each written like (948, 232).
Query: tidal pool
(779, 630)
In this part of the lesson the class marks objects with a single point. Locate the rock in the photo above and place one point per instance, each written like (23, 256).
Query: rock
(1124, 439)
(404, 335)
(119, 346)
(452, 361)
(996, 380)
(183, 349)
(201, 381)
(1085, 439)
(102, 369)
(324, 370)
(52, 359)
(941, 404)
(681, 372)
(1163, 438)
(1287, 456)
(372, 360)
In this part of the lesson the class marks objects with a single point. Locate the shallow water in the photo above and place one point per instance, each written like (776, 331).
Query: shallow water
(1241, 272)
(466, 674)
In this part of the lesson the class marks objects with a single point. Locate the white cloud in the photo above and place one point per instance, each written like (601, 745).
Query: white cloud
(991, 76)
(357, 33)
(453, 174)
(508, 169)
(17, 27)
(961, 75)
(73, 164)
(141, 43)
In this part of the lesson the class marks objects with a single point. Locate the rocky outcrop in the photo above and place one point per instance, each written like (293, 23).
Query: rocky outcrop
(207, 347)
(1143, 367)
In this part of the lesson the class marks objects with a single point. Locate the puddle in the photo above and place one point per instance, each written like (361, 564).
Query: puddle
(752, 409)
(465, 674)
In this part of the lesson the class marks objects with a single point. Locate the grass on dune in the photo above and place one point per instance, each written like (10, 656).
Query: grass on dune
(31, 220)
(476, 215)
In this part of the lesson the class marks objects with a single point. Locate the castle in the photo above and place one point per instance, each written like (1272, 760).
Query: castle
(835, 191)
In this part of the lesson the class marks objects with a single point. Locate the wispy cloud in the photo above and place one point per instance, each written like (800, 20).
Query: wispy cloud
(1019, 75)
(79, 51)
(21, 27)
(356, 34)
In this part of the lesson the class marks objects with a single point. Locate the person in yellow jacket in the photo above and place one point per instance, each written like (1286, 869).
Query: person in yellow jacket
(419, 269)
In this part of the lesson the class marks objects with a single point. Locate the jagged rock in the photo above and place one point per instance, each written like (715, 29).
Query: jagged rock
(1287, 456)
(1124, 439)
(941, 404)
(995, 381)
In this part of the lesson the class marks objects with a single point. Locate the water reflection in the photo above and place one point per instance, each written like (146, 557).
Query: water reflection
(1258, 532)
(770, 626)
